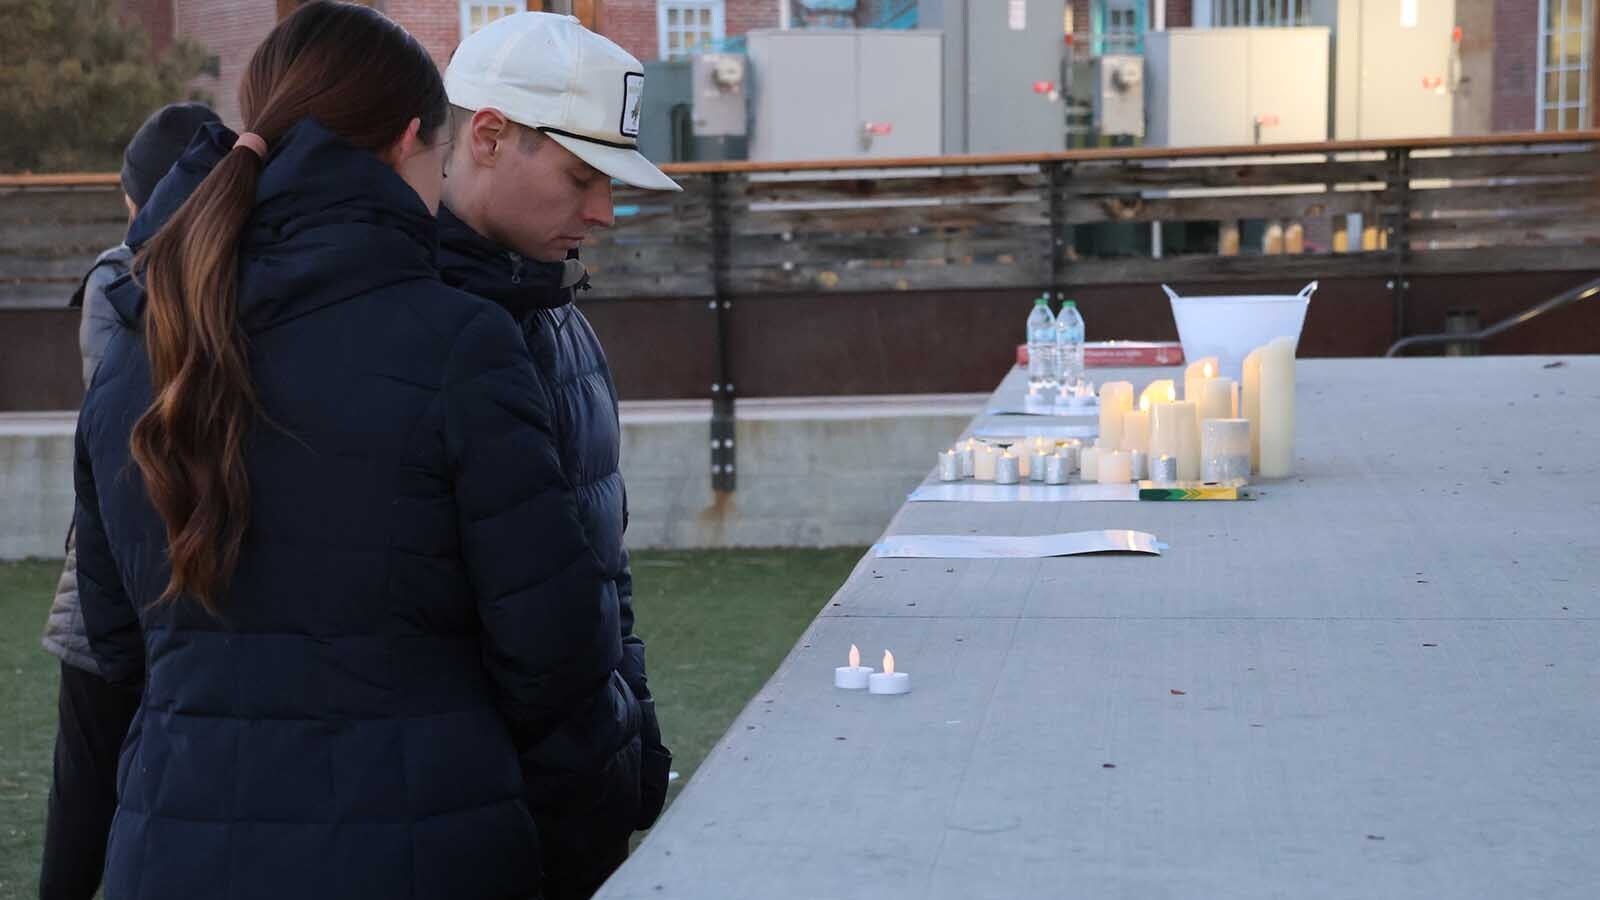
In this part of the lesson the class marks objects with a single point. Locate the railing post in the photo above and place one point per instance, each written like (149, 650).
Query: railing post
(1060, 175)
(1400, 243)
(723, 471)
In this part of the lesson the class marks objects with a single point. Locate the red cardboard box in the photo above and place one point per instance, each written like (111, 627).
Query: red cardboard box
(1111, 354)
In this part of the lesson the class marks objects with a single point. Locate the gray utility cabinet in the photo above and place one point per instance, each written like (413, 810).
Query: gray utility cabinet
(1236, 86)
(844, 94)
(1397, 69)
(995, 53)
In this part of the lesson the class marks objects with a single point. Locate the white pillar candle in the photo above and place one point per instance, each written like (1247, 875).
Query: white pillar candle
(1136, 427)
(1141, 465)
(1175, 432)
(1071, 448)
(1224, 449)
(1113, 467)
(1162, 390)
(1088, 463)
(1219, 399)
(888, 681)
(1116, 398)
(1252, 404)
(1024, 462)
(949, 466)
(983, 462)
(1277, 408)
(1164, 469)
(854, 676)
(969, 462)
(1007, 469)
(1196, 374)
(1056, 469)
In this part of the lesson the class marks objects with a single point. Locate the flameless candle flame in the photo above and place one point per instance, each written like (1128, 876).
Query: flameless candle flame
(888, 663)
(1144, 403)
(855, 657)
(1208, 371)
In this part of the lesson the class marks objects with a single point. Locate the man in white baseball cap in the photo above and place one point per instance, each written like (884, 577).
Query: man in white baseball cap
(545, 113)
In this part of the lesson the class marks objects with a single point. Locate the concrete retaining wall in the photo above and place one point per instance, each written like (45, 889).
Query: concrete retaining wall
(811, 472)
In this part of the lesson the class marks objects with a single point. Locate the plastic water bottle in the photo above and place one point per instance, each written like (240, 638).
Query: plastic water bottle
(1041, 346)
(1069, 345)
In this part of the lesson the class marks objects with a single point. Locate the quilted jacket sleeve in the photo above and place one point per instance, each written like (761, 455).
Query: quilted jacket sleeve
(109, 617)
(550, 635)
(655, 759)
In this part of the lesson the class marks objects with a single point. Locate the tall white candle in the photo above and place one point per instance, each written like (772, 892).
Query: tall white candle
(968, 452)
(1136, 427)
(1175, 432)
(1113, 467)
(1162, 390)
(1277, 408)
(1252, 404)
(1195, 375)
(1116, 398)
(1219, 399)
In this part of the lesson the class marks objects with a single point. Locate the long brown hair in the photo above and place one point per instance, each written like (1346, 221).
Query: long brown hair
(360, 76)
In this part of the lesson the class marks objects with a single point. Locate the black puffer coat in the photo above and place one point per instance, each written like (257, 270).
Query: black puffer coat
(596, 803)
(417, 602)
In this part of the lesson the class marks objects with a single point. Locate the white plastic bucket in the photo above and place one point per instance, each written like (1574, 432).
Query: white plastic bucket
(1230, 327)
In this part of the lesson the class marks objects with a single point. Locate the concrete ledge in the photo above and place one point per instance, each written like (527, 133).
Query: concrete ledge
(812, 472)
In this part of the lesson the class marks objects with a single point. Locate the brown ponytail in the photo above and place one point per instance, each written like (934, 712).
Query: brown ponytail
(360, 76)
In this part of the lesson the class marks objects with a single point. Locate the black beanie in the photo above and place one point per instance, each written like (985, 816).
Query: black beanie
(157, 145)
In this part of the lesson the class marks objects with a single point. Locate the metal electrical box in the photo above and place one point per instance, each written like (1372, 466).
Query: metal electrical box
(841, 93)
(1235, 86)
(1119, 95)
(1397, 69)
(1002, 73)
(719, 95)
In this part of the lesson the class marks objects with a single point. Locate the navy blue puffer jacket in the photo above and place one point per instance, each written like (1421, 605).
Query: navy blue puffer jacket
(583, 401)
(417, 602)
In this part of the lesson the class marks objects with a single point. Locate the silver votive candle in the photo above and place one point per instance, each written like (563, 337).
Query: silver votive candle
(1007, 469)
(1224, 449)
(949, 466)
(1036, 464)
(1164, 469)
(1070, 450)
(968, 455)
(1141, 465)
(1056, 469)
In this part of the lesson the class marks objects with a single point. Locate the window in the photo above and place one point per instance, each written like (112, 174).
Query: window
(475, 13)
(1117, 26)
(688, 26)
(1260, 13)
(1566, 37)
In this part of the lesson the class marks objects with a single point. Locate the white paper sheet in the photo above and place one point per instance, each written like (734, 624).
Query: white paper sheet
(985, 546)
(1028, 492)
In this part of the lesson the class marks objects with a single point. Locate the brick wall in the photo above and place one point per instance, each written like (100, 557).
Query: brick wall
(1516, 64)
(229, 30)
(436, 23)
(632, 24)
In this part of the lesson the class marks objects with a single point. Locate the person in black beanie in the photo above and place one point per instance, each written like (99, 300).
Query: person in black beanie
(95, 714)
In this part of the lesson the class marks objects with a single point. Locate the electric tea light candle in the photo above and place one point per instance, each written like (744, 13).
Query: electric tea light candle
(888, 681)
(854, 676)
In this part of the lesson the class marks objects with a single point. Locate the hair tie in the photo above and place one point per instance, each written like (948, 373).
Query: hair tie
(253, 142)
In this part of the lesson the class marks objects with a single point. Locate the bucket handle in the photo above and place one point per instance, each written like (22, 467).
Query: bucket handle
(1308, 290)
(1173, 295)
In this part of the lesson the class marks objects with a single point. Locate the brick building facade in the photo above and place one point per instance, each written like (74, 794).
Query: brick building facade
(1500, 65)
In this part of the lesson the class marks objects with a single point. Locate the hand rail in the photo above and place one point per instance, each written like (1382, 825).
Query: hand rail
(1572, 295)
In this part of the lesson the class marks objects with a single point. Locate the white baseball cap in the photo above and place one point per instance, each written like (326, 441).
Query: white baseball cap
(551, 74)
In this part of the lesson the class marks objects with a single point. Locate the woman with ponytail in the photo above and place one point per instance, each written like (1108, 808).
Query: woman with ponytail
(309, 481)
